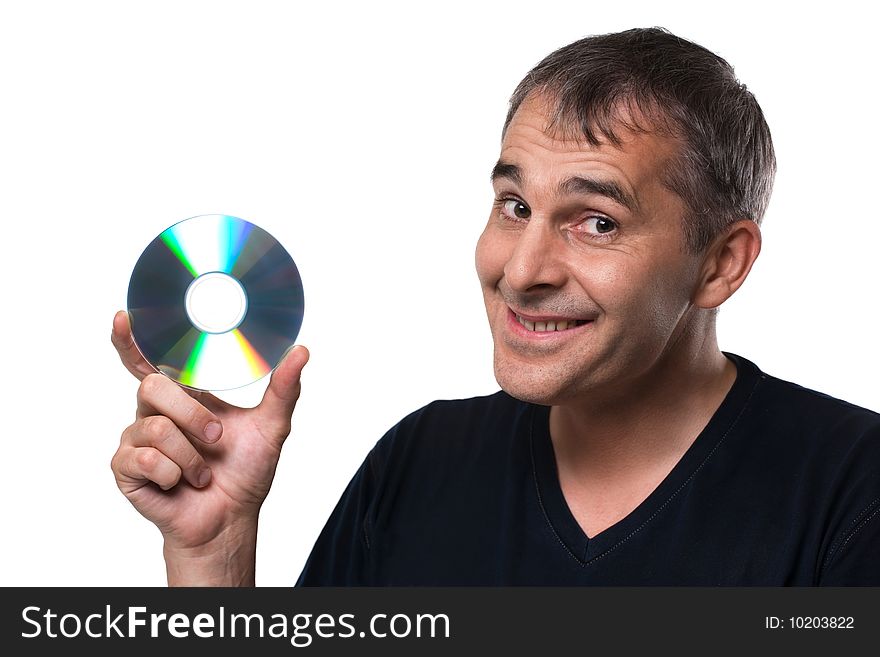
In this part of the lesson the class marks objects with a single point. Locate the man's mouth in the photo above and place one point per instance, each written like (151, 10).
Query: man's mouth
(548, 324)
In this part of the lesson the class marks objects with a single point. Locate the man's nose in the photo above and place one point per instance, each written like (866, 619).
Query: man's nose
(535, 260)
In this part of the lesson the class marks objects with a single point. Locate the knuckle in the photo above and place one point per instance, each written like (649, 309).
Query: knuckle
(151, 386)
(158, 428)
(130, 435)
(194, 461)
(284, 427)
(147, 459)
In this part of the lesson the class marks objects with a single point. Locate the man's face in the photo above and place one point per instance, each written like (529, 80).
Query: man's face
(586, 241)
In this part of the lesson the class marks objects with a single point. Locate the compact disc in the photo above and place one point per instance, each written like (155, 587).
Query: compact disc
(214, 302)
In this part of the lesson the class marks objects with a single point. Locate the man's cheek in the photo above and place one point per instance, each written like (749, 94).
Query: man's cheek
(606, 283)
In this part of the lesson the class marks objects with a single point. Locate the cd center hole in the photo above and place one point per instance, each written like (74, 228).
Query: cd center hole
(215, 302)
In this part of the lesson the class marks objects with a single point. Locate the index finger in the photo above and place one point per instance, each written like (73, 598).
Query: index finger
(128, 352)
(159, 395)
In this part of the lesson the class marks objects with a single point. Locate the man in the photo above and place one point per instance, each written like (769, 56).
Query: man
(624, 448)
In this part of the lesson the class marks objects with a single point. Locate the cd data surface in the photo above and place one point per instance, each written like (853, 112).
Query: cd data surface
(214, 302)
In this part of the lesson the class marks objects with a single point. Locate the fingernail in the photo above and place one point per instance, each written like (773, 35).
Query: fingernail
(204, 477)
(213, 431)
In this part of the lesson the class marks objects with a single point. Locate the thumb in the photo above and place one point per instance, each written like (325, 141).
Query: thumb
(280, 397)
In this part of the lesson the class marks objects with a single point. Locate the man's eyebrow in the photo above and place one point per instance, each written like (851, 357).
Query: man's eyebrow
(509, 171)
(607, 188)
(573, 185)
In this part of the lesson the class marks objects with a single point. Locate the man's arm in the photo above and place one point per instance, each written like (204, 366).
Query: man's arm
(199, 468)
(342, 554)
(853, 559)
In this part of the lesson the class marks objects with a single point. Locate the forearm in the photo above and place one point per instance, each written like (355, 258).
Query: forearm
(228, 560)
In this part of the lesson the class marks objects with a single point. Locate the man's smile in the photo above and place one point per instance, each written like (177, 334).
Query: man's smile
(545, 327)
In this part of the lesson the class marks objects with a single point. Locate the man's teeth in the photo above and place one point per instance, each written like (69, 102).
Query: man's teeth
(544, 327)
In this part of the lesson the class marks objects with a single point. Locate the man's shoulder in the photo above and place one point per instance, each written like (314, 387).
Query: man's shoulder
(784, 397)
(467, 411)
(472, 413)
(818, 457)
(449, 425)
(793, 419)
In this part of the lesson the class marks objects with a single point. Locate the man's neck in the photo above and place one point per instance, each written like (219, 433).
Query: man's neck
(651, 428)
(611, 456)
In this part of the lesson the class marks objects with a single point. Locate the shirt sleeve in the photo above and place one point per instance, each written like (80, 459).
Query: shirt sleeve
(341, 555)
(855, 558)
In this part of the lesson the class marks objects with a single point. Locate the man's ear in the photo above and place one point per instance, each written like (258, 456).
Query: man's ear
(727, 262)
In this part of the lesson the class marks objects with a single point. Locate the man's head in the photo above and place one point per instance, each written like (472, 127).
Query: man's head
(651, 80)
(634, 170)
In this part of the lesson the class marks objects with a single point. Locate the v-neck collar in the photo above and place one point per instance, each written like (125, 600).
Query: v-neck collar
(556, 510)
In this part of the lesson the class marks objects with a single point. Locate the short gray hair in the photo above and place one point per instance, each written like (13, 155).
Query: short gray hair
(725, 169)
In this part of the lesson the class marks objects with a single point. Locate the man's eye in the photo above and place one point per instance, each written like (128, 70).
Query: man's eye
(599, 225)
(514, 208)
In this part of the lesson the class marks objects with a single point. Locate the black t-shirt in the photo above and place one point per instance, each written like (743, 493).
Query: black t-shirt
(782, 487)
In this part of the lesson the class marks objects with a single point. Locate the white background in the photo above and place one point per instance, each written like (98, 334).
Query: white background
(361, 135)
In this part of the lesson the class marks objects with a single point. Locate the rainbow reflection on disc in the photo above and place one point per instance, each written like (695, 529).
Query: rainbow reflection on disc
(214, 302)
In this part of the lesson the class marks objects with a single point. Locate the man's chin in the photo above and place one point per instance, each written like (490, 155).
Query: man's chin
(532, 386)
